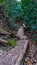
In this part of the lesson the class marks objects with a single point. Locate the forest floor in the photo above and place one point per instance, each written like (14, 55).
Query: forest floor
(31, 54)
(9, 55)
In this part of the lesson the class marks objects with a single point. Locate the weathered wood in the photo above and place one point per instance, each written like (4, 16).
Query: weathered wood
(4, 42)
(10, 34)
(1, 33)
(14, 36)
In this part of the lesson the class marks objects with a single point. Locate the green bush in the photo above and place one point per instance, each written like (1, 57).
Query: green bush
(29, 15)
(11, 9)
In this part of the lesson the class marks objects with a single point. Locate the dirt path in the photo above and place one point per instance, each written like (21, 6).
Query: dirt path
(11, 55)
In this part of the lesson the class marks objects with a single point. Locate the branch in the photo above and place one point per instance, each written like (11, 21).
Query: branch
(10, 34)
(4, 42)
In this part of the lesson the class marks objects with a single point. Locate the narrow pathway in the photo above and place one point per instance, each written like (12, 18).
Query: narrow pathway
(11, 56)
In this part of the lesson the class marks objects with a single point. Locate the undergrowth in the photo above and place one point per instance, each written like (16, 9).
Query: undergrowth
(12, 42)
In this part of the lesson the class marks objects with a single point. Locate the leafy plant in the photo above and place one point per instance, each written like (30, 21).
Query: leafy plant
(29, 15)
(12, 42)
(11, 9)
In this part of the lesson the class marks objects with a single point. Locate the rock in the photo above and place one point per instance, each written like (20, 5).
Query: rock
(1, 52)
(25, 59)
(34, 60)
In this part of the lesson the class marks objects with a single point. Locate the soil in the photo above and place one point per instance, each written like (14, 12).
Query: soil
(31, 55)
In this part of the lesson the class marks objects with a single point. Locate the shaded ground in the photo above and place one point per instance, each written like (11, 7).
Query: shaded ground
(9, 56)
(31, 55)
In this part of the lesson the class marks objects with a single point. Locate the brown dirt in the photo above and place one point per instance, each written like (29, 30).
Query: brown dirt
(31, 55)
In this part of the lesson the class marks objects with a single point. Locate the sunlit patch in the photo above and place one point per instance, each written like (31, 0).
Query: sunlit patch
(19, 0)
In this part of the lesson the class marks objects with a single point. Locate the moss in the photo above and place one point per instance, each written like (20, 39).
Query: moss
(12, 42)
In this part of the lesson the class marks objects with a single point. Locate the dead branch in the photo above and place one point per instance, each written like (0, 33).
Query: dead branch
(9, 34)
(4, 42)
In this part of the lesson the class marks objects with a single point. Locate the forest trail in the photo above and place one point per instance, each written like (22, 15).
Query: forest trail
(31, 54)
(20, 33)
(11, 55)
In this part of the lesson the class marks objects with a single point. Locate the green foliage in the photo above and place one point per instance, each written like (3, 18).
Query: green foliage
(12, 42)
(15, 11)
(11, 8)
(5, 6)
(29, 14)
(25, 5)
